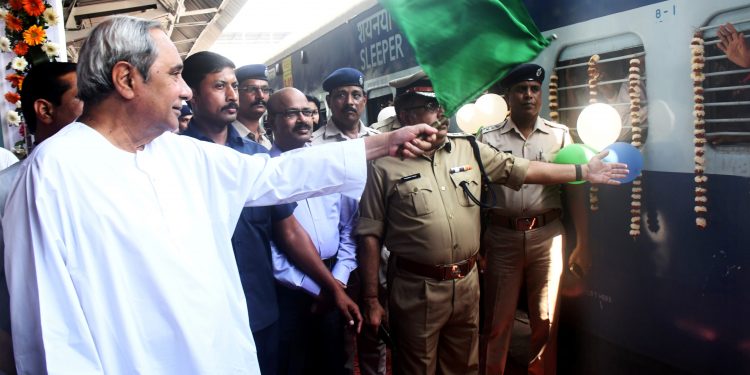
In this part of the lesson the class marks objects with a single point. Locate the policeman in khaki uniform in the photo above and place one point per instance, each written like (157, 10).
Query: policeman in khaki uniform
(420, 209)
(346, 101)
(523, 241)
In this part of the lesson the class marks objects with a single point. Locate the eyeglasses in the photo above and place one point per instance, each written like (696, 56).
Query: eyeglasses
(431, 106)
(291, 114)
(314, 112)
(259, 89)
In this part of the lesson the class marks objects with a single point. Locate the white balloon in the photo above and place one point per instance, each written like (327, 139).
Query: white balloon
(386, 112)
(467, 118)
(599, 125)
(492, 109)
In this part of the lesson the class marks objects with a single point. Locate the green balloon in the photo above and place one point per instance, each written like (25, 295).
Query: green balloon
(574, 154)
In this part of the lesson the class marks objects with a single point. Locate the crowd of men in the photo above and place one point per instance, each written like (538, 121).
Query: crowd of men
(130, 248)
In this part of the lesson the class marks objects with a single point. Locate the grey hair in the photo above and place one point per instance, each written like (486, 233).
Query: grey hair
(120, 38)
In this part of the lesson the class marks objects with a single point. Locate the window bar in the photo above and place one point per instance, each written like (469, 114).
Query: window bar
(726, 104)
(726, 88)
(618, 58)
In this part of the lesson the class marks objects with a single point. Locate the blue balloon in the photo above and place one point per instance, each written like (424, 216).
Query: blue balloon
(621, 152)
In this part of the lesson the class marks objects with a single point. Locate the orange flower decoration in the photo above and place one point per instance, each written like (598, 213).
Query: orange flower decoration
(21, 49)
(12, 97)
(34, 35)
(34, 8)
(13, 23)
(16, 80)
(16, 4)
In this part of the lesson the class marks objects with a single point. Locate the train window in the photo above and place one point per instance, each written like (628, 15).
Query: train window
(601, 71)
(726, 86)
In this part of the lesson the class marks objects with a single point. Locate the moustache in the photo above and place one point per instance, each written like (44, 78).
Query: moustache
(301, 126)
(231, 105)
(259, 102)
(350, 109)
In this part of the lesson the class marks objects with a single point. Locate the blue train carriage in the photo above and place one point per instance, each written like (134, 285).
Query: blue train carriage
(670, 257)
(365, 38)
(664, 295)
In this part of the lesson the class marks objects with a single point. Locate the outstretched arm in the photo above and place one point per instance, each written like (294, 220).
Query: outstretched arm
(595, 172)
(408, 141)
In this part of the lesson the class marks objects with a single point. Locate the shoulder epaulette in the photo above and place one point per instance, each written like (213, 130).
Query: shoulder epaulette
(555, 124)
(490, 128)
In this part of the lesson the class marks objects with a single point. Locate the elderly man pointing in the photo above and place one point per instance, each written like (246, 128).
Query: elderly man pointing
(118, 249)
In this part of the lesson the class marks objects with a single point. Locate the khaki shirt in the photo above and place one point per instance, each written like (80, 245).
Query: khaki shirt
(245, 133)
(419, 210)
(331, 133)
(386, 125)
(542, 145)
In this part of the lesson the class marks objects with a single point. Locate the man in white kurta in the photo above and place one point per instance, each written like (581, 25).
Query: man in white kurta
(117, 232)
(123, 261)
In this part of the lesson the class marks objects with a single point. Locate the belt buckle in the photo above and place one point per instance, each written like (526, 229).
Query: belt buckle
(455, 272)
(526, 223)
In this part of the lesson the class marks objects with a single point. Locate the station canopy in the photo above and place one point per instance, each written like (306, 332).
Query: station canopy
(193, 25)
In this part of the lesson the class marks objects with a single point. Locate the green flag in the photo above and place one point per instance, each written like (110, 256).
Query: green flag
(465, 46)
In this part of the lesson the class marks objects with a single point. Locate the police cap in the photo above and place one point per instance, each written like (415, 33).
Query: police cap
(417, 83)
(523, 72)
(252, 71)
(343, 77)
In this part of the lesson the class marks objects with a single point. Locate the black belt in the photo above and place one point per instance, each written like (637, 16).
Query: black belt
(524, 223)
(440, 272)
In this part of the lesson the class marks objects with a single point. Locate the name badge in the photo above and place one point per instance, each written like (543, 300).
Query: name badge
(411, 177)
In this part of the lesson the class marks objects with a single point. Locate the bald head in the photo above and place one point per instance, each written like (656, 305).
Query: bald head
(279, 100)
(291, 118)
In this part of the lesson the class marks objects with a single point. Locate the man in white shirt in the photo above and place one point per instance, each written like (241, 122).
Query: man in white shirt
(312, 342)
(118, 252)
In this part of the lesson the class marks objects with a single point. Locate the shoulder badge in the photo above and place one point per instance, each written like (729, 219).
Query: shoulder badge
(490, 128)
(555, 124)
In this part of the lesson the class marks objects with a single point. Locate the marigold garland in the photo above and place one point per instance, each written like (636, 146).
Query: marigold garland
(636, 191)
(26, 23)
(699, 132)
(593, 73)
(553, 105)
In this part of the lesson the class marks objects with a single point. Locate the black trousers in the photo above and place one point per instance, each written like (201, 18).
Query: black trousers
(310, 343)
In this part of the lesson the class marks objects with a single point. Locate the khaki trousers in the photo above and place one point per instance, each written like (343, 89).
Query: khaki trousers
(434, 324)
(513, 257)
